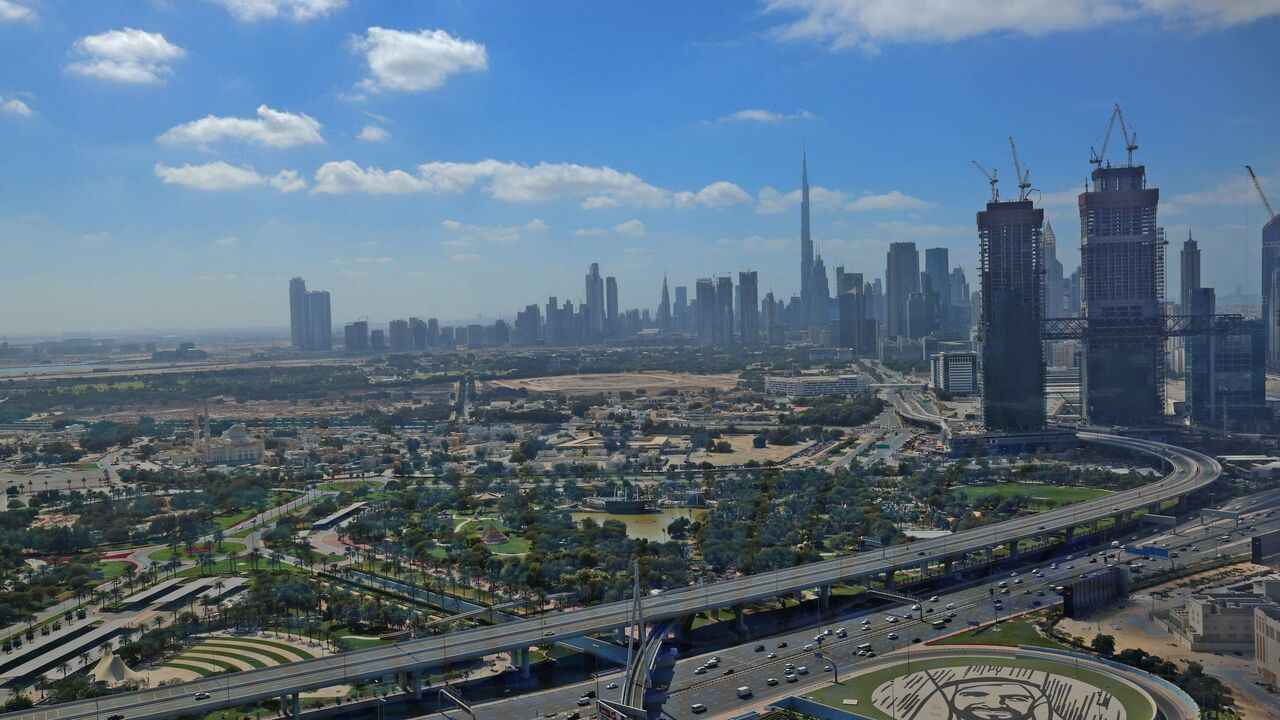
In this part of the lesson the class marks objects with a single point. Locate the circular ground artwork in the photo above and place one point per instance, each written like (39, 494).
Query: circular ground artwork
(995, 692)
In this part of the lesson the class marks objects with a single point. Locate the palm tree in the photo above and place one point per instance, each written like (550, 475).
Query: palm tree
(64, 666)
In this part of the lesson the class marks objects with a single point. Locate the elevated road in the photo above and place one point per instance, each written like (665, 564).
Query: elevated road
(1189, 471)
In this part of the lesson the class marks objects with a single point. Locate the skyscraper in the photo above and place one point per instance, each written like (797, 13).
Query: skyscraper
(664, 308)
(937, 265)
(398, 335)
(852, 321)
(769, 312)
(1189, 273)
(418, 331)
(1271, 292)
(749, 296)
(819, 303)
(806, 242)
(1054, 288)
(1122, 261)
(355, 336)
(319, 334)
(708, 311)
(298, 313)
(612, 323)
(1009, 236)
(681, 311)
(724, 321)
(433, 332)
(901, 277)
(594, 296)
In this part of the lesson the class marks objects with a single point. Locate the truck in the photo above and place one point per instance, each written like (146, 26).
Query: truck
(744, 691)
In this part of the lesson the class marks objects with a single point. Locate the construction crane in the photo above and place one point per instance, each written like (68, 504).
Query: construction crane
(991, 179)
(1130, 141)
(1095, 156)
(1271, 214)
(1024, 177)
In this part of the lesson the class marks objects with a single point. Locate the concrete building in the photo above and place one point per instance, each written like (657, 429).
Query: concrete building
(902, 278)
(749, 304)
(398, 336)
(1271, 292)
(595, 302)
(1012, 273)
(298, 313)
(1055, 301)
(1225, 377)
(1217, 622)
(319, 335)
(724, 311)
(806, 242)
(1122, 256)
(954, 372)
(664, 309)
(418, 333)
(817, 385)
(1189, 272)
(612, 323)
(355, 336)
(233, 447)
(707, 310)
(1266, 643)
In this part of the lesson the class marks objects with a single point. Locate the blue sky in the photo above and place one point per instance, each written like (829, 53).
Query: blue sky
(171, 164)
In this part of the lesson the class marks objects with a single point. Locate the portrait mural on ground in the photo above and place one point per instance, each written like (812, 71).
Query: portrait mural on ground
(991, 692)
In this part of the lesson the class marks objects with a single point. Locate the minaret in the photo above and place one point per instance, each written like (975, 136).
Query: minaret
(806, 242)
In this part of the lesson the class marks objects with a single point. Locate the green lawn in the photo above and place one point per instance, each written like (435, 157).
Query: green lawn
(1017, 631)
(863, 686)
(1042, 496)
(189, 668)
(228, 546)
(236, 648)
(203, 651)
(112, 569)
(347, 485)
(297, 653)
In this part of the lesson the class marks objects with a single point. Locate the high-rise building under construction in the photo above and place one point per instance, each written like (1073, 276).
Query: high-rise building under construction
(1122, 264)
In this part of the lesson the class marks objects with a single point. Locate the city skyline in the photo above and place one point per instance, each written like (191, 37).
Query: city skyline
(198, 176)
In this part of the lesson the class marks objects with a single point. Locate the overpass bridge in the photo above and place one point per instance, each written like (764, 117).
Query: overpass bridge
(1189, 471)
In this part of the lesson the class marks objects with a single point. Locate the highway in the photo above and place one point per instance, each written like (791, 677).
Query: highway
(1190, 471)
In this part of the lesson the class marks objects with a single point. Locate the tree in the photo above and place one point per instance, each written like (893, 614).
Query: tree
(1104, 645)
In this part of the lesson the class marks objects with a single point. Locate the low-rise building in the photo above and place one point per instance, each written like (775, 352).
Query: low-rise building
(1266, 643)
(817, 385)
(955, 372)
(1217, 622)
(233, 447)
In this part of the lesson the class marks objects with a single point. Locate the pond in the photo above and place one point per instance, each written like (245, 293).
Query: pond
(650, 526)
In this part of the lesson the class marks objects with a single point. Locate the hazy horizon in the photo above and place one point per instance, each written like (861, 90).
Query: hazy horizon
(172, 165)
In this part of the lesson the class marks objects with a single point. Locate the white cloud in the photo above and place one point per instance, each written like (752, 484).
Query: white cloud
(416, 61)
(1066, 199)
(297, 10)
(126, 56)
(288, 181)
(892, 200)
(227, 241)
(867, 24)
(13, 12)
(382, 260)
(347, 177)
(599, 187)
(770, 200)
(1231, 191)
(373, 133)
(99, 236)
(271, 128)
(630, 228)
(590, 232)
(717, 194)
(465, 234)
(219, 175)
(464, 257)
(766, 116)
(16, 107)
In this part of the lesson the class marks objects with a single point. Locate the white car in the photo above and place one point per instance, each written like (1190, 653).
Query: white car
(611, 686)
(892, 636)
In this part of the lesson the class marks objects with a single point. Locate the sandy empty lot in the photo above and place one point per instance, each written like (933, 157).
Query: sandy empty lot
(618, 382)
(744, 452)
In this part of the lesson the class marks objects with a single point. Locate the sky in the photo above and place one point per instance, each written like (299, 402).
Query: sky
(171, 164)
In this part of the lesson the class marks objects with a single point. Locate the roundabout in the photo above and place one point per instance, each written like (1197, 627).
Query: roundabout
(991, 683)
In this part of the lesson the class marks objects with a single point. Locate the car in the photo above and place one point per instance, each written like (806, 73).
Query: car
(702, 670)
(698, 708)
(802, 670)
(916, 640)
(915, 607)
(861, 653)
(921, 553)
(727, 671)
(1039, 593)
(202, 695)
(1018, 581)
(549, 633)
(934, 599)
(892, 636)
(893, 619)
(791, 677)
(611, 686)
(928, 610)
(713, 662)
(808, 647)
(1036, 603)
(782, 644)
(759, 648)
(117, 716)
(771, 656)
(572, 715)
(871, 653)
(951, 606)
(771, 682)
(584, 701)
(842, 633)
(589, 694)
(827, 668)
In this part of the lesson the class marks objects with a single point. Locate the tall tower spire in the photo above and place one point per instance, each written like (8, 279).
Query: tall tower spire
(806, 243)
